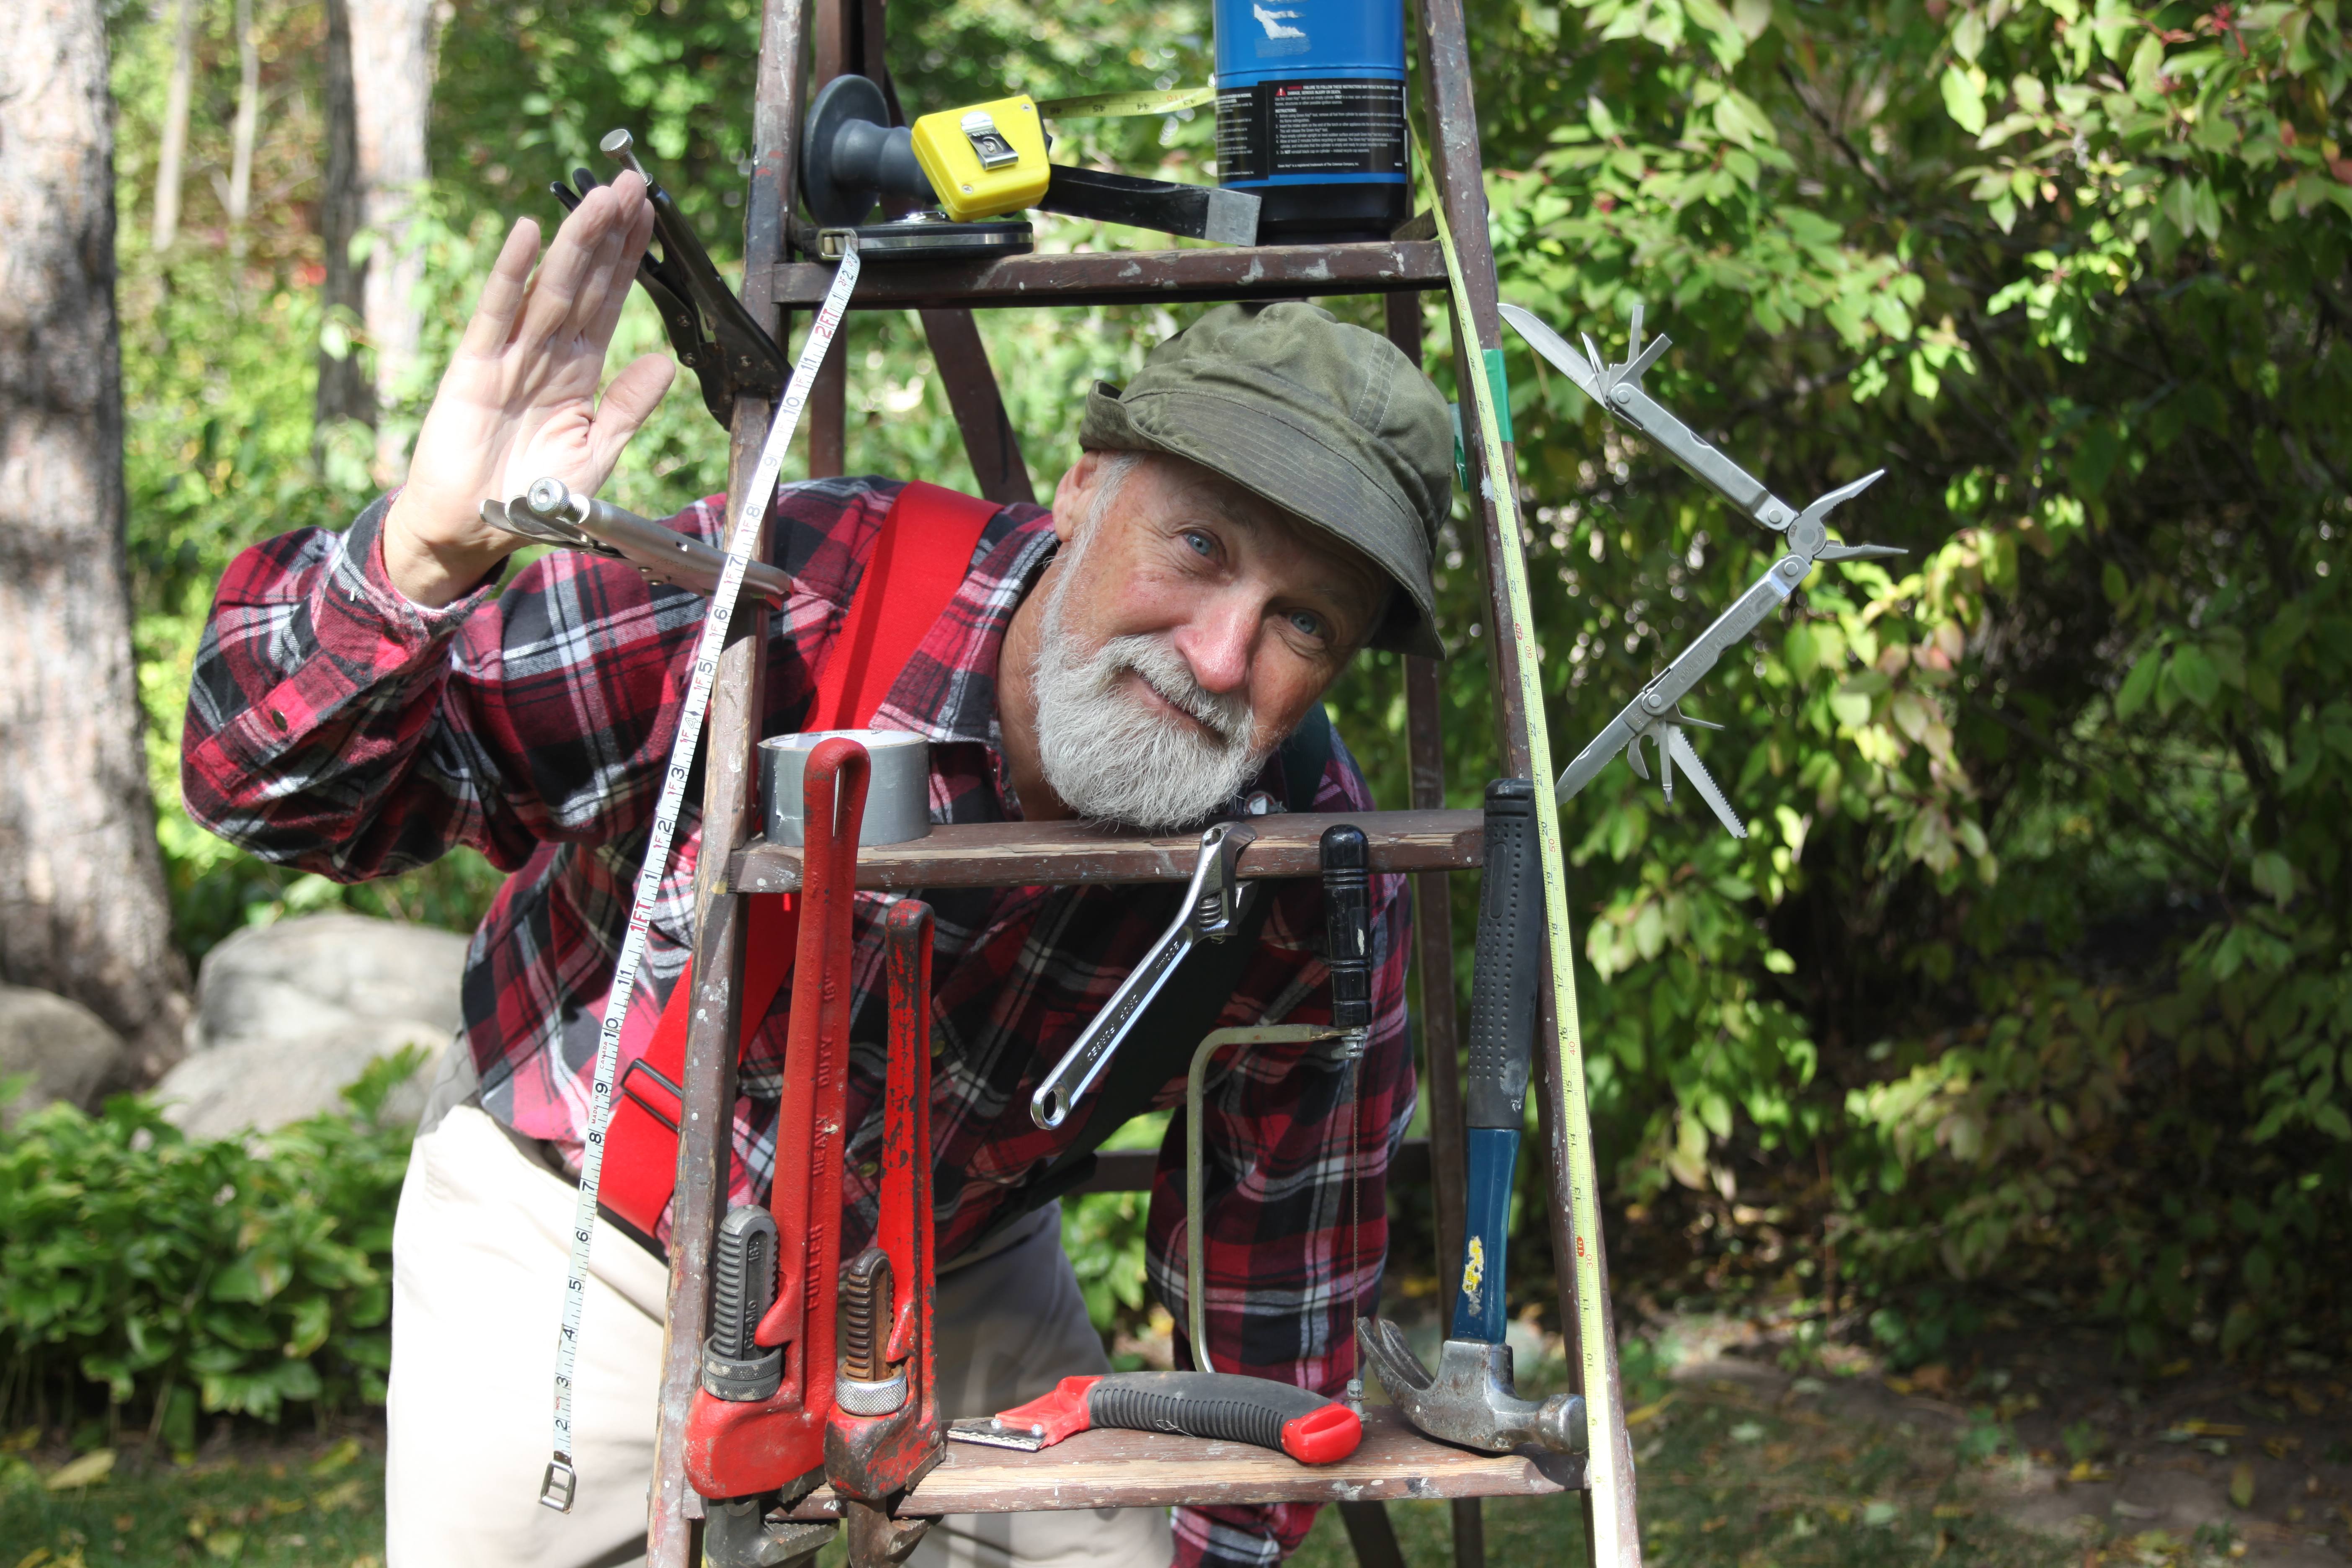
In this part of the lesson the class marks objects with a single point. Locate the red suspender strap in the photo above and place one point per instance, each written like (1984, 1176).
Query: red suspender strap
(920, 559)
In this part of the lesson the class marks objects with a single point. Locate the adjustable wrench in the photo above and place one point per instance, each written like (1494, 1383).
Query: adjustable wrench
(1213, 905)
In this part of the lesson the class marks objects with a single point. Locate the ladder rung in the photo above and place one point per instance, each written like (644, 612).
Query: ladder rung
(1052, 854)
(1156, 1470)
(1124, 276)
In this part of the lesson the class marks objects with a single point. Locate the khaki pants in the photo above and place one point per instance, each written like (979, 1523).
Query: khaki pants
(479, 1254)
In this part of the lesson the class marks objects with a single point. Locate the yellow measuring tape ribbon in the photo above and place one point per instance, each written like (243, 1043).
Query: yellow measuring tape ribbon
(1601, 1416)
(1127, 105)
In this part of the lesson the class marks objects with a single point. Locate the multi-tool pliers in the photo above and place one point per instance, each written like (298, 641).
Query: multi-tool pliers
(1656, 712)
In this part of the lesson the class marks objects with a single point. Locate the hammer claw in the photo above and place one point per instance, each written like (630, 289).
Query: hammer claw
(1385, 1348)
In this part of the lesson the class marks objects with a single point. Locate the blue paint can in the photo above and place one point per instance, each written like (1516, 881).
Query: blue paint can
(1310, 115)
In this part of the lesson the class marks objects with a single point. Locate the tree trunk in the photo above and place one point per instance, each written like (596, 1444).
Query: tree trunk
(344, 391)
(82, 906)
(248, 126)
(391, 73)
(175, 128)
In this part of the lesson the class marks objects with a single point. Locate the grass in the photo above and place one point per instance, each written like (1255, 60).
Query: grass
(1725, 1480)
(295, 1509)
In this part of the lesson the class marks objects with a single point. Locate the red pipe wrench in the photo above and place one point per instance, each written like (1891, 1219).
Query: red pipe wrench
(884, 1433)
(758, 1423)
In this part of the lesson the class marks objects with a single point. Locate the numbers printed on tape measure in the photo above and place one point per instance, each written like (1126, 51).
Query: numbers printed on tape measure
(751, 506)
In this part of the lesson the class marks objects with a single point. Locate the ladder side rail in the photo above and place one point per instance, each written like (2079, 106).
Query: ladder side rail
(1455, 152)
(729, 814)
(989, 438)
(835, 35)
(1441, 1052)
(1370, 1534)
(673, 1536)
(965, 375)
(1441, 1021)
(1441, 1027)
(1441, 1039)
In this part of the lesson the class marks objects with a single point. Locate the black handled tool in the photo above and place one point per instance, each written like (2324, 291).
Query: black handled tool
(1213, 213)
(1347, 952)
(1347, 924)
(711, 332)
(1296, 1421)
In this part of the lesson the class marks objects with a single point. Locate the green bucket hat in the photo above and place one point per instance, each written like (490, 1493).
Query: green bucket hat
(1329, 422)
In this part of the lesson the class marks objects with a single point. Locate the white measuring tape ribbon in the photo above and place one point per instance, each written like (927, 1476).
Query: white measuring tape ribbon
(1603, 1481)
(556, 1489)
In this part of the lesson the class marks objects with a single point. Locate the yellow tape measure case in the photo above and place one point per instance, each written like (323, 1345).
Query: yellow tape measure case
(985, 158)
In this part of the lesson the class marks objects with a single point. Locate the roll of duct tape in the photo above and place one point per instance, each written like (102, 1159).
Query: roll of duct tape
(898, 792)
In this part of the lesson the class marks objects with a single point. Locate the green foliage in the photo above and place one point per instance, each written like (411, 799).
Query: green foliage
(1103, 1234)
(252, 1272)
(220, 344)
(2040, 933)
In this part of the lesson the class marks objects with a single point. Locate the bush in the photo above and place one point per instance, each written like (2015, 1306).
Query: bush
(234, 1276)
(2030, 980)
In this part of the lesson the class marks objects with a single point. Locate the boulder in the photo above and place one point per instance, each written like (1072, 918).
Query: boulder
(287, 1015)
(66, 1049)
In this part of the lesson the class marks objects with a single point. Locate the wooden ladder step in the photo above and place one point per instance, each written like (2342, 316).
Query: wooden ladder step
(1157, 1470)
(1043, 853)
(1119, 277)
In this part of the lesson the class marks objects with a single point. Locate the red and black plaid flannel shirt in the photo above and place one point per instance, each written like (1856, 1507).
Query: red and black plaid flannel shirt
(336, 726)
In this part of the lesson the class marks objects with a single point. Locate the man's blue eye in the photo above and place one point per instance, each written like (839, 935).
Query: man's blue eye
(1201, 542)
(1307, 624)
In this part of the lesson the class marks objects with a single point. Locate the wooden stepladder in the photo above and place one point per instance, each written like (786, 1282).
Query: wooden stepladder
(803, 44)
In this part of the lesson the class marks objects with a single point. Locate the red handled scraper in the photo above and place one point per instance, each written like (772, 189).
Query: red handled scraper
(1298, 1422)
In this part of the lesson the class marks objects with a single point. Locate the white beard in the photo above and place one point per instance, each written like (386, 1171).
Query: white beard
(1107, 752)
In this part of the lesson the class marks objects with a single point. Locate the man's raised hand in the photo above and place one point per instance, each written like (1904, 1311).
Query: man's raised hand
(519, 399)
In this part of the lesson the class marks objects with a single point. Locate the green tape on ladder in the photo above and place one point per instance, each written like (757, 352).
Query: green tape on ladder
(1498, 385)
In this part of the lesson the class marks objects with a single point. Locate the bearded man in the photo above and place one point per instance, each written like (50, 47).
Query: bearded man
(1256, 506)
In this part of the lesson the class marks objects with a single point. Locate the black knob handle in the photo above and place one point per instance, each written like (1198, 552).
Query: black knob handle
(1508, 961)
(1347, 924)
